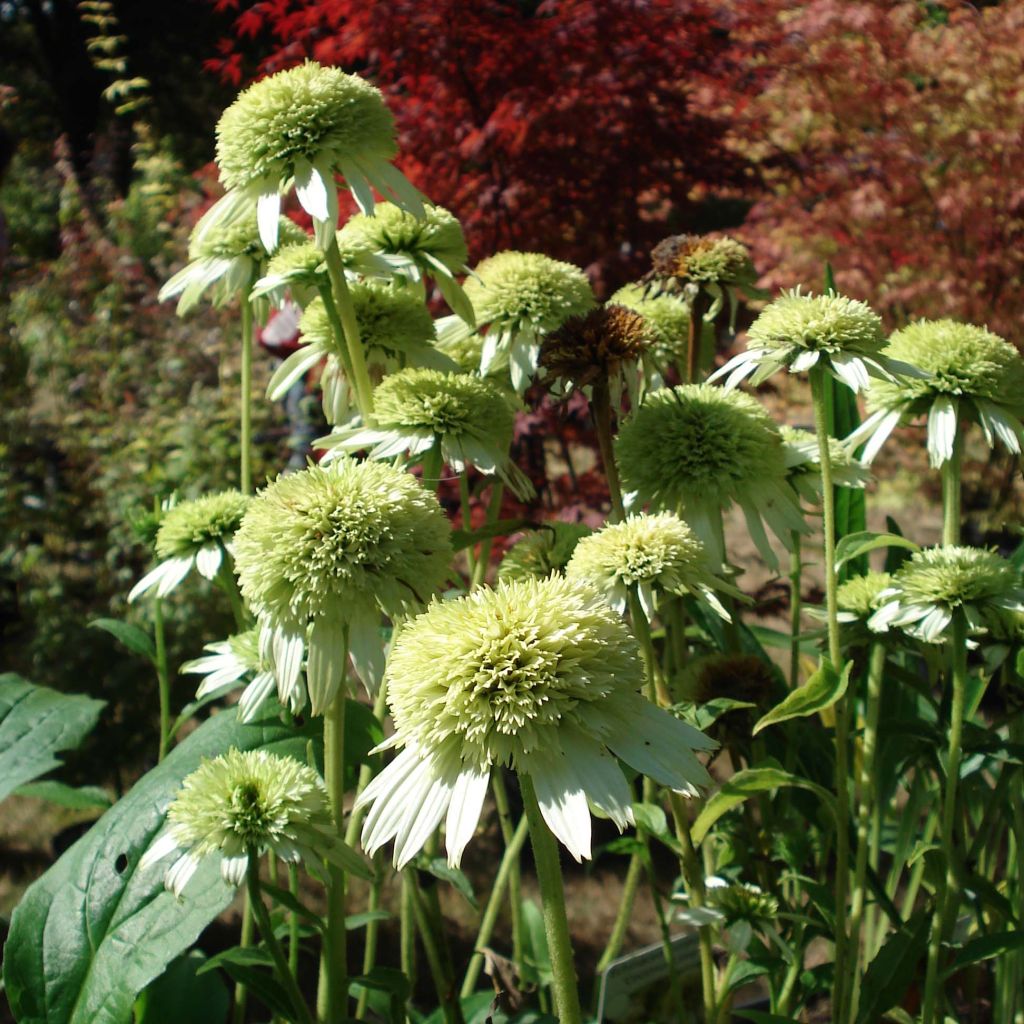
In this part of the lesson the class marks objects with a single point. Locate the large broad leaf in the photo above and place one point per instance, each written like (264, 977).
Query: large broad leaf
(182, 994)
(36, 722)
(92, 932)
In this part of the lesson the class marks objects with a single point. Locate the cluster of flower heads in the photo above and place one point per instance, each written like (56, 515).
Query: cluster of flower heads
(322, 553)
(696, 450)
(417, 410)
(244, 804)
(650, 554)
(301, 127)
(193, 535)
(968, 375)
(539, 674)
(518, 298)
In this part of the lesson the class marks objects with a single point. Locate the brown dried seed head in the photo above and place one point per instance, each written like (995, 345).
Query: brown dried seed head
(586, 349)
(701, 259)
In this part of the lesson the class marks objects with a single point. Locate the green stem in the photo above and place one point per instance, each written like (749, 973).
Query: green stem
(698, 308)
(502, 881)
(337, 331)
(361, 383)
(515, 890)
(947, 896)
(163, 679)
(245, 468)
(332, 996)
(432, 467)
(372, 932)
(355, 819)
(227, 582)
(407, 924)
(624, 917)
(450, 1007)
(795, 609)
(285, 976)
(293, 922)
(601, 410)
(556, 925)
(467, 518)
(865, 809)
(483, 558)
(951, 471)
(244, 941)
(828, 502)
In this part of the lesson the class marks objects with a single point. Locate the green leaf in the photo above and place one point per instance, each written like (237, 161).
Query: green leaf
(984, 947)
(94, 930)
(355, 921)
(137, 640)
(247, 956)
(292, 903)
(391, 988)
(821, 691)
(745, 784)
(499, 528)
(78, 798)
(180, 994)
(537, 966)
(263, 985)
(856, 544)
(760, 1017)
(438, 867)
(35, 723)
(889, 975)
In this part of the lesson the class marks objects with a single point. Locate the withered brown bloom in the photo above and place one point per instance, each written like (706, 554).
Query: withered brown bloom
(700, 260)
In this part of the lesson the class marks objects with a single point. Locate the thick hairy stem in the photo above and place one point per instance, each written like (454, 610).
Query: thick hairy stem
(947, 897)
(951, 470)
(818, 383)
(795, 609)
(556, 924)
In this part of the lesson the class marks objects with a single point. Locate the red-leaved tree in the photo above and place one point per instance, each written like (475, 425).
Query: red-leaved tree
(588, 128)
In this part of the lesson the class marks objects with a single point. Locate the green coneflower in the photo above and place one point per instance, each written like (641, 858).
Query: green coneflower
(303, 126)
(226, 259)
(803, 464)
(697, 449)
(744, 908)
(969, 375)
(520, 297)
(244, 804)
(857, 599)
(416, 410)
(432, 245)
(541, 675)
(394, 325)
(934, 585)
(798, 332)
(653, 553)
(542, 551)
(195, 534)
(321, 553)
(605, 345)
(239, 660)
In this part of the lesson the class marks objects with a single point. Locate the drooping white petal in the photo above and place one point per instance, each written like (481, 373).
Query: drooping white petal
(600, 776)
(232, 869)
(150, 580)
(179, 873)
(467, 801)
(942, 427)
(1007, 428)
(325, 663)
(366, 647)
(292, 370)
(887, 424)
(806, 360)
(736, 368)
(493, 340)
(164, 844)
(757, 534)
(523, 360)
(851, 371)
(933, 625)
(208, 559)
(255, 695)
(390, 180)
(358, 185)
(563, 803)
(433, 804)
(286, 657)
(268, 213)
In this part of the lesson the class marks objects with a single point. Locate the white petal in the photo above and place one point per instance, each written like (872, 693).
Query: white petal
(255, 696)
(286, 658)
(366, 648)
(292, 370)
(178, 569)
(489, 350)
(179, 873)
(311, 190)
(805, 361)
(164, 844)
(268, 212)
(433, 804)
(232, 869)
(150, 580)
(208, 560)
(467, 801)
(942, 427)
(851, 371)
(600, 775)
(325, 663)
(885, 427)
(562, 801)
(358, 186)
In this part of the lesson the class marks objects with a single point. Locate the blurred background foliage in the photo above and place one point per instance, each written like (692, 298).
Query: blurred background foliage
(884, 137)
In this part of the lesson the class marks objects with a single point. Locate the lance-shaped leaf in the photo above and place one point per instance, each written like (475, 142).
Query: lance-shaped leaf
(92, 932)
(35, 723)
(821, 691)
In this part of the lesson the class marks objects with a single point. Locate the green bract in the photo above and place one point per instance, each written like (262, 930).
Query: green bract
(696, 449)
(325, 551)
(542, 551)
(226, 259)
(242, 804)
(418, 409)
(520, 297)
(969, 375)
(651, 553)
(933, 585)
(798, 332)
(195, 533)
(304, 125)
(539, 674)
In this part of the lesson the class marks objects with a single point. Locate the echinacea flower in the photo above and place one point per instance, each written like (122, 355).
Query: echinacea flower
(394, 326)
(432, 245)
(541, 675)
(301, 127)
(239, 660)
(322, 553)
(542, 551)
(696, 450)
(652, 554)
(519, 297)
(244, 804)
(935, 584)
(226, 260)
(803, 464)
(969, 375)
(745, 909)
(606, 346)
(857, 599)
(700, 259)
(798, 332)
(193, 535)
(417, 410)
